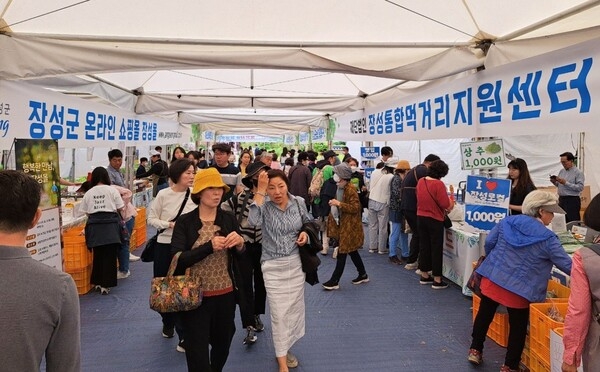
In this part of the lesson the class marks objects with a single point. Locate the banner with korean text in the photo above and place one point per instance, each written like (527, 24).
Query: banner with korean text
(549, 93)
(28, 111)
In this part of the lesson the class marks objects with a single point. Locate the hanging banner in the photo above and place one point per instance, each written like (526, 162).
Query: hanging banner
(208, 136)
(289, 139)
(482, 154)
(486, 202)
(549, 93)
(247, 138)
(32, 112)
(303, 138)
(319, 135)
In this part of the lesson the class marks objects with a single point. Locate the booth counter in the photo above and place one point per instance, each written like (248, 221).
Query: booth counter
(461, 248)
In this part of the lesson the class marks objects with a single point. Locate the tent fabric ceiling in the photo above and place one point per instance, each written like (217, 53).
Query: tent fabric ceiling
(196, 61)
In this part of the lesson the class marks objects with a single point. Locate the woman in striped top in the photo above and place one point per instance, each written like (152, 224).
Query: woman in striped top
(281, 215)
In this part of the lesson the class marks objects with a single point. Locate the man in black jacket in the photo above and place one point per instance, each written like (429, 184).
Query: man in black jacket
(160, 172)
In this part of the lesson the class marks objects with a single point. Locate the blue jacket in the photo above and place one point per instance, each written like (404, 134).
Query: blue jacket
(520, 253)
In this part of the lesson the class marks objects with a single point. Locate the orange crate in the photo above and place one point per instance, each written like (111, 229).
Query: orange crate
(499, 328)
(562, 292)
(537, 364)
(140, 235)
(540, 325)
(82, 279)
(76, 256)
(132, 240)
(140, 219)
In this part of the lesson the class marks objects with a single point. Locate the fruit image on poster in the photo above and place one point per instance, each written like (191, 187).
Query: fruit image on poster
(39, 158)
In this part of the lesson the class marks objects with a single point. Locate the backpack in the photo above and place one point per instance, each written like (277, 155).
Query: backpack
(314, 190)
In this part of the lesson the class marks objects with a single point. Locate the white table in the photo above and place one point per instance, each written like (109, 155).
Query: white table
(461, 248)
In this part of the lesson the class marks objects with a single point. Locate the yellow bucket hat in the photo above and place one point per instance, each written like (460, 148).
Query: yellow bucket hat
(206, 178)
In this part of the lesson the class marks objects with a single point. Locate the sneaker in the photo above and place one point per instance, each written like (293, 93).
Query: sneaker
(331, 285)
(133, 258)
(180, 348)
(324, 251)
(506, 368)
(395, 260)
(475, 357)
(291, 360)
(373, 250)
(440, 285)
(411, 266)
(419, 272)
(385, 251)
(123, 274)
(335, 252)
(258, 324)
(104, 291)
(424, 280)
(168, 332)
(364, 278)
(250, 338)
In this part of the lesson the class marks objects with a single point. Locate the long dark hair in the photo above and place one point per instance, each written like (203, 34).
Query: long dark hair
(524, 181)
(100, 175)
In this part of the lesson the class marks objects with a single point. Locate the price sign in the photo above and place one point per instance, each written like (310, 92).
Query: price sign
(482, 154)
(486, 202)
(369, 153)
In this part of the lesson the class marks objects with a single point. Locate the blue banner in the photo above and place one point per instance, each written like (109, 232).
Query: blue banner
(486, 202)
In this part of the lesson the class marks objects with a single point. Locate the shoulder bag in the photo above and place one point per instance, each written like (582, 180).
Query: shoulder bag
(148, 252)
(474, 282)
(172, 293)
(447, 220)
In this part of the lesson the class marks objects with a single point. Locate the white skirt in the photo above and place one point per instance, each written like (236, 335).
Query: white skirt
(284, 281)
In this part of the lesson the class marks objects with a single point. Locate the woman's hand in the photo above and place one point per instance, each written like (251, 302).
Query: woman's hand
(218, 243)
(302, 239)
(568, 368)
(263, 182)
(334, 202)
(234, 240)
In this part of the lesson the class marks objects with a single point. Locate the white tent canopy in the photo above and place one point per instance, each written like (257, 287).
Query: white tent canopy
(259, 62)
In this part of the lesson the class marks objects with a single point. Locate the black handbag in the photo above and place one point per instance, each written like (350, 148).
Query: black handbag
(148, 252)
(474, 282)
(447, 222)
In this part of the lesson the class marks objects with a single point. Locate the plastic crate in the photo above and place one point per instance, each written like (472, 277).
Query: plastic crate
(140, 235)
(499, 327)
(133, 240)
(76, 256)
(537, 364)
(540, 325)
(140, 219)
(562, 292)
(82, 279)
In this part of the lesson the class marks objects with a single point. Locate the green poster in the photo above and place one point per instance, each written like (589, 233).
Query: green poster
(39, 158)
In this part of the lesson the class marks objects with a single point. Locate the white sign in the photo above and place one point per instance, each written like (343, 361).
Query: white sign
(482, 154)
(43, 241)
(303, 138)
(319, 135)
(208, 136)
(550, 93)
(289, 139)
(28, 111)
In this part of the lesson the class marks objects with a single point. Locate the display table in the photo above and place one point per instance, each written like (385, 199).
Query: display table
(461, 248)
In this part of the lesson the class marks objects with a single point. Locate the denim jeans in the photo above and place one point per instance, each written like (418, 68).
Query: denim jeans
(123, 252)
(398, 239)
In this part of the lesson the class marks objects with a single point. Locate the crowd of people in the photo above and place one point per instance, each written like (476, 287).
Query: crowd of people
(241, 230)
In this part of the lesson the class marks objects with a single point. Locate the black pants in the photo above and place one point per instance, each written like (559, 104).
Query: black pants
(104, 268)
(255, 295)
(162, 260)
(571, 205)
(341, 263)
(211, 325)
(431, 253)
(411, 219)
(517, 319)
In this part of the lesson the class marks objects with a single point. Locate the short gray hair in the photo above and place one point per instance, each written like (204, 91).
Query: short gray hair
(536, 200)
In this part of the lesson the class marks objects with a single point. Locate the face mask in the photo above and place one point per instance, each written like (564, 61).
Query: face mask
(336, 178)
(354, 168)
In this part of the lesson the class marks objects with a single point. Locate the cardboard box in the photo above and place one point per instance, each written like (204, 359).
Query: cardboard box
(557, 350)
(586, 195)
